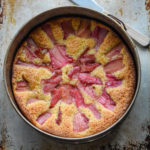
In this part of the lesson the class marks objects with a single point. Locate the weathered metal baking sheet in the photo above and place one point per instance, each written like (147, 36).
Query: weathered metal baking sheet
(132, 134)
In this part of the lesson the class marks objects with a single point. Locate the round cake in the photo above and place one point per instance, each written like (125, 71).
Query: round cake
(73, 77)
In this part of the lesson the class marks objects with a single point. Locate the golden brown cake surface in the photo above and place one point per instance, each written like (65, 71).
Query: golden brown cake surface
(73, 77)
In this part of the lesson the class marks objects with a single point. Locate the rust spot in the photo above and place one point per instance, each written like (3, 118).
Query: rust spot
(6, 139)
(131, 145)
(1, 12)
(11, 18)
(12, 8)
(121, 11)
(147, 7)
(147, 4)
(148, 128)
(3, 135)
(107, 1)
(147, 139)
(149, 48)
(1, 148)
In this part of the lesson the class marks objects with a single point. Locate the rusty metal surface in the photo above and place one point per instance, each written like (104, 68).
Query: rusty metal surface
(132, 134)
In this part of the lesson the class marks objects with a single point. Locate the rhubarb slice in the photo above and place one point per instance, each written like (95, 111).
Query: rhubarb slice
(47, 29)
(94, 110)
(31, 44)
(32, 100)
(22, 85)
(113, 66)
(19, 62)
(52, 82)
(79, 100)
(73, 71)
(43, 65)
(88, 89)
(115, 53)
(99, 35)
(61, 93)
(42, 118)
(87, 58)
(32, 51)
(29, 54)
(66, 97)
(106, 101)
(84, 29)
(88, 67)
(88, 79)
(67, 28)
(59, 117)
(56, 96)
(48, 87)
(80, 122)
(112, 81)
(59, 57)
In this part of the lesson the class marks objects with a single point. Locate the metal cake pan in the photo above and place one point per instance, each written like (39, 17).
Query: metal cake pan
(68, 11)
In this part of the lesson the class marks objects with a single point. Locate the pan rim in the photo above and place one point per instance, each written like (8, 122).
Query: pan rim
(69, 139)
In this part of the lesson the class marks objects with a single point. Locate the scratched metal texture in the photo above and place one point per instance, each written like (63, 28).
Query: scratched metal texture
(132, 134)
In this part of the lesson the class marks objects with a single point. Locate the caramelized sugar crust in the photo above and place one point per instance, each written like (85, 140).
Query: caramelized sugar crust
(73, 77)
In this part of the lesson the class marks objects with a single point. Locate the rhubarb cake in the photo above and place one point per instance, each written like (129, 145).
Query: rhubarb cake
(73, 77)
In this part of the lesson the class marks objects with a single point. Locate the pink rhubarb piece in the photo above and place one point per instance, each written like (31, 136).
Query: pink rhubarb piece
(61, 93)
(31, 44)
(52, 82)
(73, 71)
(115, 53)
(113, 66)
(94, 110)
(88, 89)
(84, 29)
(66, 97)
(29, 54)
(42, 118)
(32, 51)
(59, 117)
(67, 28)
(32, 100)
(87, 58)
(43, 65)
(80, 122)
(22, 85)
(59, 57)
(47, 29)
(106, 101)
(79, 100)
(88, 79)
(88, 67)
(112, 81)
(56, 96)
(99, 35)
